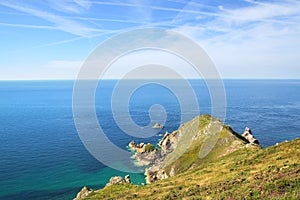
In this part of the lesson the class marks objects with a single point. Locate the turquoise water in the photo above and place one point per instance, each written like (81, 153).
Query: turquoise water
(42, 156)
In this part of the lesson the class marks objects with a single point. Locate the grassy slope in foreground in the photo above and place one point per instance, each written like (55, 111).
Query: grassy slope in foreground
(248, 173)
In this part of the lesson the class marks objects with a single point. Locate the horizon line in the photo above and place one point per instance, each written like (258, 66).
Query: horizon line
(231, 78)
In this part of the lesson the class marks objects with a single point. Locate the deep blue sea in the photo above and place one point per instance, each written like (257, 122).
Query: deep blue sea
(42, 156)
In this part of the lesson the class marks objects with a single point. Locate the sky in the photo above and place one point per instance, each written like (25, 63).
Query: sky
(244, 38)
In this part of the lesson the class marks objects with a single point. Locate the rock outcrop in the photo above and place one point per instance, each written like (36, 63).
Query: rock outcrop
(137, 147)
(169, 142)
(249, 136)
(127, 179)
(119, 180)
(84, 192)
(145, 154)
(155, 171)
(154, 174)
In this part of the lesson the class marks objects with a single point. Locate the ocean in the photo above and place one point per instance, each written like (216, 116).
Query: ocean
(42, 156)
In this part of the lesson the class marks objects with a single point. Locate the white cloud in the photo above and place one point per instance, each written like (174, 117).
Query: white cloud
(263, 11)
(59, 22)
(83, 3)
(70, 6)
(28, 26)
(257, 40)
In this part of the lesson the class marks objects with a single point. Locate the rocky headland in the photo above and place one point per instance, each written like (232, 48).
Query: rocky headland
(199, 136)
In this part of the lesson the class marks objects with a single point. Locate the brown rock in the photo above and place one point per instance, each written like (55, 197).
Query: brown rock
(249, 136)
(158, 126)
(154, 174)
(83, 193)
(127, 179)
(116, 180)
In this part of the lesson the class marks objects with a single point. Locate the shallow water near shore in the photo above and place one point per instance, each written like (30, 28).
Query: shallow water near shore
(42, 156)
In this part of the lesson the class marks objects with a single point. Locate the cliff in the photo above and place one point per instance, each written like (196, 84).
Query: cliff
(205, 158)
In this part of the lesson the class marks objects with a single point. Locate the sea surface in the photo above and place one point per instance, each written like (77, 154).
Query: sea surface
(42, 156)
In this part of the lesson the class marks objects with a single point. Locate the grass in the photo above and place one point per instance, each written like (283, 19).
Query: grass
(149, 147)
(221, 142)
(248, 173)
(187, 150)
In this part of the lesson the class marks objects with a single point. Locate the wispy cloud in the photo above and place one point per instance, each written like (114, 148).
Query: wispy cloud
(154, 7)
(127, 21)
(276, 17)
(83, 3)
(58, 22)
(263, 11)
(29, 26)
(256, 36)
(86, 26)
(69, 6)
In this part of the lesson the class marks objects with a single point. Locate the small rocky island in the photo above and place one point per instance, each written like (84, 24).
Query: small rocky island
(158, 126)
(190, 150)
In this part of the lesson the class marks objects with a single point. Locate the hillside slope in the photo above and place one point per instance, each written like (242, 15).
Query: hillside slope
(248, 173)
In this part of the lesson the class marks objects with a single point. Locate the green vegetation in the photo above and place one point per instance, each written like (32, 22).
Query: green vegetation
(189, 144)
(199, 135)
(247, 173)
(149, 147)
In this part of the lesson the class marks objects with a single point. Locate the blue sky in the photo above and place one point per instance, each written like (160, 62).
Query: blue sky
(245, 38)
